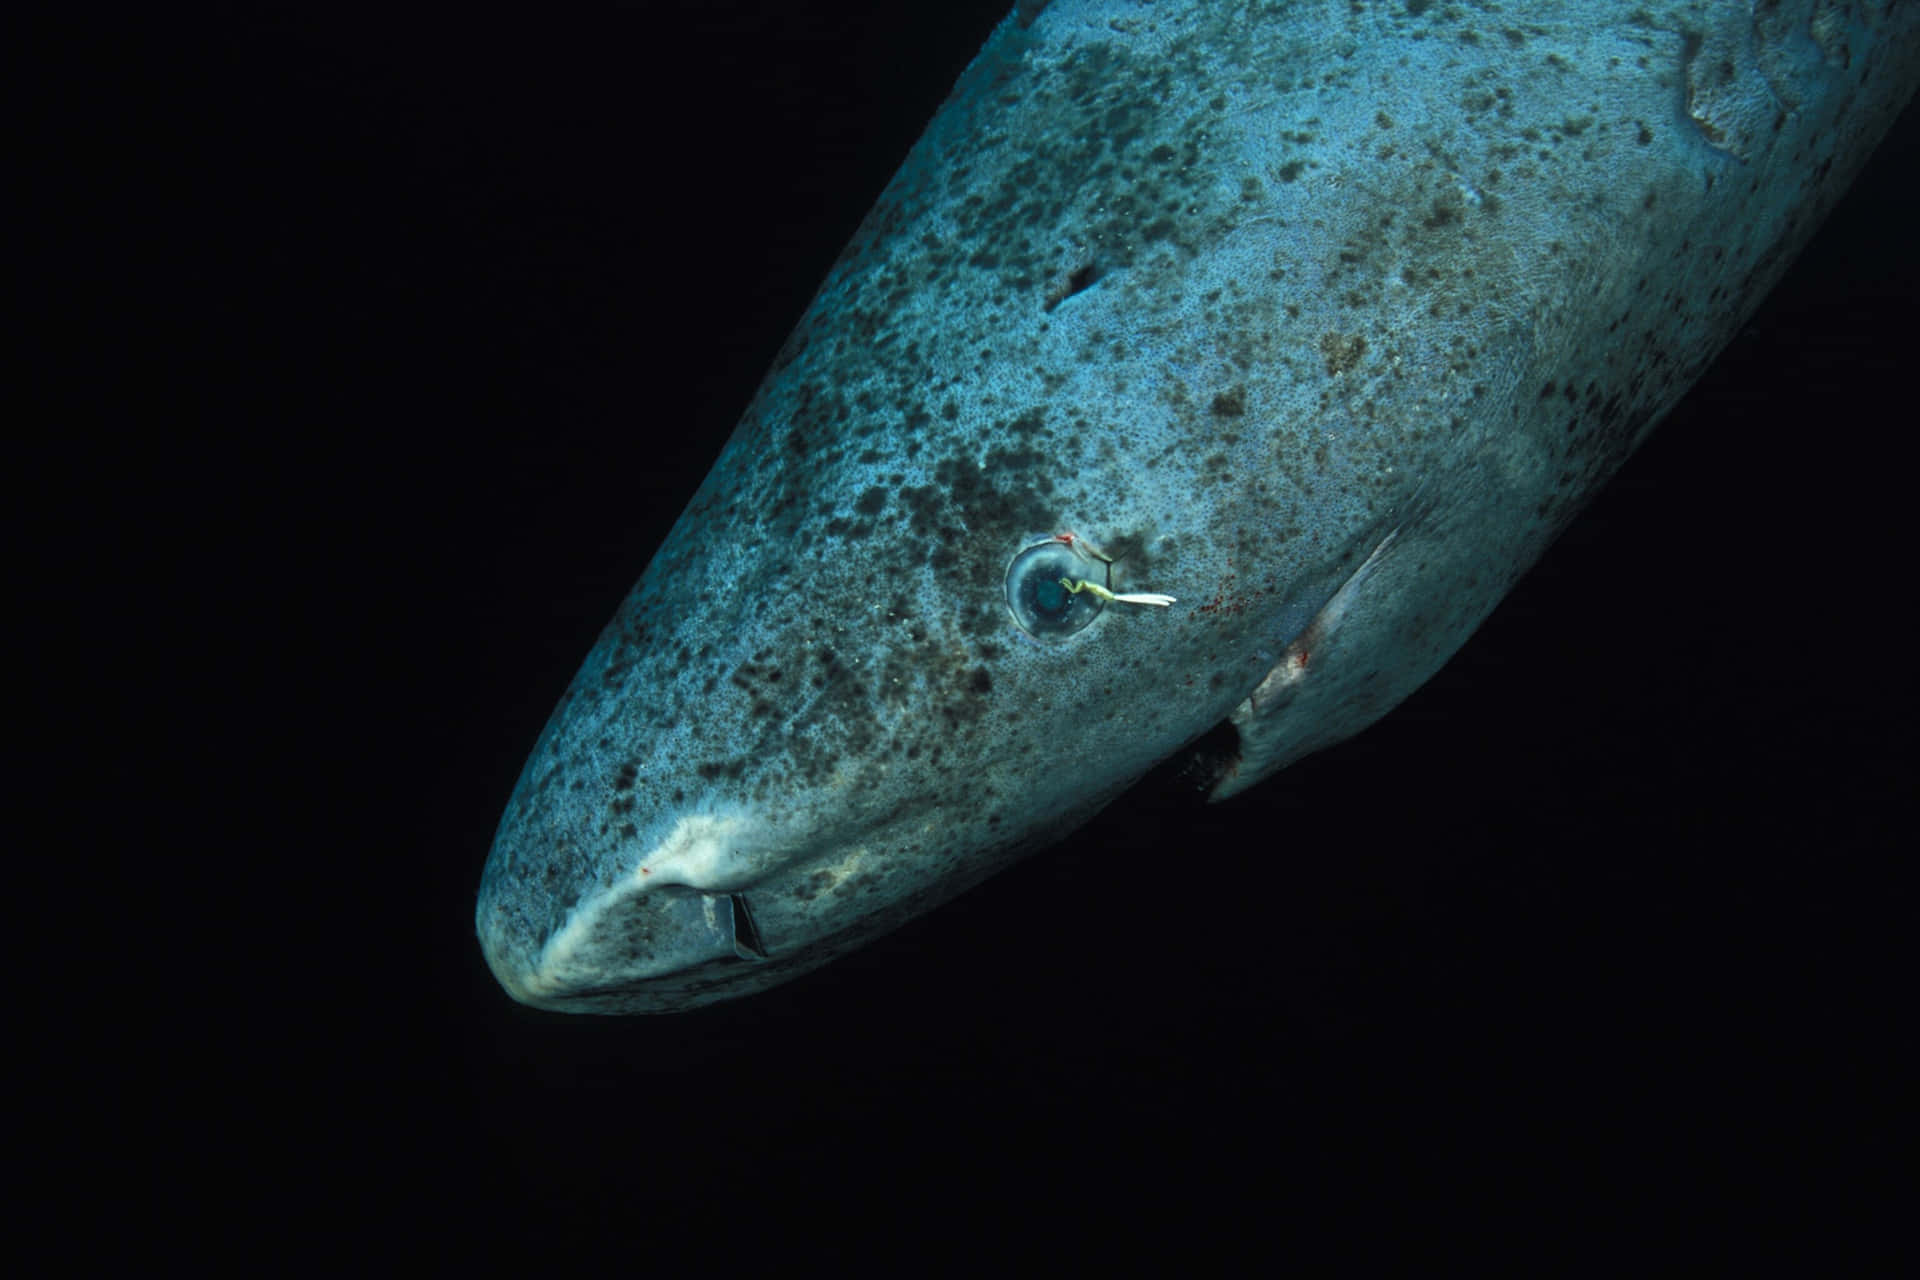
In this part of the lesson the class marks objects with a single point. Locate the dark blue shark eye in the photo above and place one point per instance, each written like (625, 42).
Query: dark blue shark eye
(1037, 594)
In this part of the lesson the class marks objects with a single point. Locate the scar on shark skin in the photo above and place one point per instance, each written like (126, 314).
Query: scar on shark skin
(1087, 551)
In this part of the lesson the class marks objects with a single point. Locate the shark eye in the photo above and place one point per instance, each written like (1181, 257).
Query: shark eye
(1038, 598)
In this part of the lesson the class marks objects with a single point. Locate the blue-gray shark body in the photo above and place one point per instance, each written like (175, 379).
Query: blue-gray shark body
(1204, 361)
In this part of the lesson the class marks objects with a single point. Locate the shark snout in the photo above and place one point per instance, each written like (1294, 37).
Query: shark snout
(673, 923)
(619, 947)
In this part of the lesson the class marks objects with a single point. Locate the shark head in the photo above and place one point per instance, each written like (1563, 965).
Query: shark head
(842, 692)
(1173, 380)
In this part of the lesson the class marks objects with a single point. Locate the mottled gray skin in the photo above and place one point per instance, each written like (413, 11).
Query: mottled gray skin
(1251, 294)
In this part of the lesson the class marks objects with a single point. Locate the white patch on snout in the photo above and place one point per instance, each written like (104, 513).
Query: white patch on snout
(704, 851)
(707, 852)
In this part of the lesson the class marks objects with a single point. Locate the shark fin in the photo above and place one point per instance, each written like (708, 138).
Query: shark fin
(1323, 690)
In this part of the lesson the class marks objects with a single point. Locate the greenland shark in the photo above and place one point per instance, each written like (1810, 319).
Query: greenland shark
(1205, 361)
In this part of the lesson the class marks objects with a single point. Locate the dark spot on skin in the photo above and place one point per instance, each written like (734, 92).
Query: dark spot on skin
(872, 502)
(923, 503)
(1128, 548)
(1291, 170)
(1231, 403)
(1028, 424)
(813, 886)
(979, 681)
(1342, 352)
(1001, 496)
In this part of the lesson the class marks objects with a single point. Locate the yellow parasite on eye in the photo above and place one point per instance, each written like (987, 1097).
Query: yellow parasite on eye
(1126, 597)
(1049, 598)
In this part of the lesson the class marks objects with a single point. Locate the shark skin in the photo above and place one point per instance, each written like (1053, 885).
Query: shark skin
(1321, 319)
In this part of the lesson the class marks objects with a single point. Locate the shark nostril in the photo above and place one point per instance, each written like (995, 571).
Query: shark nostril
(746, 935)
